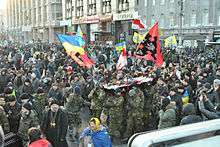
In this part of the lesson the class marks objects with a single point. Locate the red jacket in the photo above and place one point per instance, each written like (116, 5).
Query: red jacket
(40, 143)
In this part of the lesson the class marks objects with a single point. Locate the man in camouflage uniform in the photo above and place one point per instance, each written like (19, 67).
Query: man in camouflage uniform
(135, 111)
(114, 108)
(28, 119)
(97, 96)
(151, 107)
(39, 103)
(73, 107)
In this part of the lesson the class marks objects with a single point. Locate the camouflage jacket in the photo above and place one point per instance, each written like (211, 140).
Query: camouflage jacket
(27, 122)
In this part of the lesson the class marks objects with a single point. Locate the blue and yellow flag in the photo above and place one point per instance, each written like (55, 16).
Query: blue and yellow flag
(73, 45)
(120, 46)
(74, 40)
(79, 32)
(185, 98)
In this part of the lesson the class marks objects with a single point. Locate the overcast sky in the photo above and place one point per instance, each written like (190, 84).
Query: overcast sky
(3, 4)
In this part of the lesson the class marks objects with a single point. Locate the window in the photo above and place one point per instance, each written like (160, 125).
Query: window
(145, 3)
(39, 14)
(162, 2)
(183, 21)
(171, 1)
(153, 2)
(205, 18)
(171, 21)
(162, 21)
(56, 10)
(79, 8)
(123, 5)
(106, 6)
(91, 7)
(45, 13)
(193, 19)
(152, 20)
(219, 20)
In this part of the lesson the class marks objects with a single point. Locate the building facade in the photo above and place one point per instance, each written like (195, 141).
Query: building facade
(193, 20)
(34, 20)
(100, 20)
(3, 25)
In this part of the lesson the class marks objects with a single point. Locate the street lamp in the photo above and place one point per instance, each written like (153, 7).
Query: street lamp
(180, 3)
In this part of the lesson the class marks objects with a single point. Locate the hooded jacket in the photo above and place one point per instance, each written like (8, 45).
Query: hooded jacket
(40, 143)
(100, 138)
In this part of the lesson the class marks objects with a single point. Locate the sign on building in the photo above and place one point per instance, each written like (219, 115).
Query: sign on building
(125, 16)
(65, 23)
(26, 28)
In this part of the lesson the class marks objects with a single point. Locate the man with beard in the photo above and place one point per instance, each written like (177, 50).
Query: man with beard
(55, 124)
(28, 120)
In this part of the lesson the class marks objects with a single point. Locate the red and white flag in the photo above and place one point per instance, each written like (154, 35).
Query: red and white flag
(122, 61)
(138, 24)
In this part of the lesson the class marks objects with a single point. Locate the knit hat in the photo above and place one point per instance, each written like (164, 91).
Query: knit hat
(207, 87)
(40, 90)
(8, 90)
(27, 80)
(77, 90)
(27, 106)
(217, 81)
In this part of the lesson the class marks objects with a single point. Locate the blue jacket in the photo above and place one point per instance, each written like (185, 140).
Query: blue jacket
(100, 138)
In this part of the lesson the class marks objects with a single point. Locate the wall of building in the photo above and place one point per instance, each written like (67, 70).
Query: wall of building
(33, 19)
(92, 13)
(200, 17)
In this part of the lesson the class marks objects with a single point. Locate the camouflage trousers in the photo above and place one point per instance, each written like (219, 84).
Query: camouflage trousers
(115, 123)
(74, 119)
(135, 123)
(96, 113)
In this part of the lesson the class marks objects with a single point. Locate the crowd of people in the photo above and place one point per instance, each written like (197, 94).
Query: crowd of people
(43, 92)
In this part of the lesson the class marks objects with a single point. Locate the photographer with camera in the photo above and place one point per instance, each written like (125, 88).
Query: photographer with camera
(206, 107)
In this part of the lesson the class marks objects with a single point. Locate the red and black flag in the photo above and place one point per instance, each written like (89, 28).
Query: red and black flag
(149, 48)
